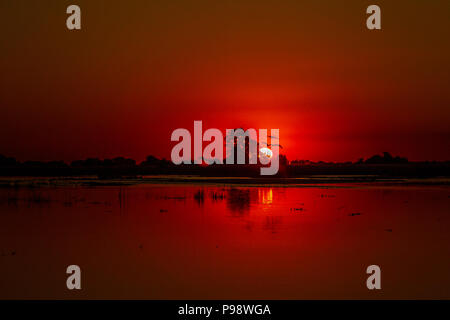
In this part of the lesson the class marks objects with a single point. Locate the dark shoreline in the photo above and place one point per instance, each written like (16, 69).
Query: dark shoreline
(406, 170)
(385, 170)
(310, 181)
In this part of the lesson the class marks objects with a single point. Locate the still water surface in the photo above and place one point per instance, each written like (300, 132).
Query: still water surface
(159, 241)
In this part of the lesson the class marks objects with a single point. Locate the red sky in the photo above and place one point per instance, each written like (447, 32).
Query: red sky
(140, 69)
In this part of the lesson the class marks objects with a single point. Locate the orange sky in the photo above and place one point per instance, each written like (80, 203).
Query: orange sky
(140, 69)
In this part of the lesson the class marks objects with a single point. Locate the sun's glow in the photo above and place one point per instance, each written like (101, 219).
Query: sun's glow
(266, 152)
(265, 195)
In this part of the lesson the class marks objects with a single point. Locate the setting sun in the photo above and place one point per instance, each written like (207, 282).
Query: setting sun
(266, 152)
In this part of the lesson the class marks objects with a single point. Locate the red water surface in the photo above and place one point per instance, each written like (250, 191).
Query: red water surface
(192, 241)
